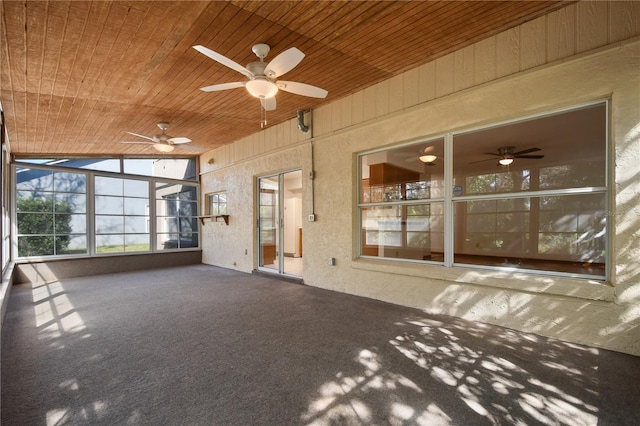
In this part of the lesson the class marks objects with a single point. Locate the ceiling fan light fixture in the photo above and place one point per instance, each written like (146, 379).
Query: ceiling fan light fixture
(262, 88)
(163, 147)
(505, 161)
(429, 158)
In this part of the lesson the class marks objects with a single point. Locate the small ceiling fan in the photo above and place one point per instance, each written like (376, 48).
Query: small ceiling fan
(506, 155)
(263, 77)
(163, 142)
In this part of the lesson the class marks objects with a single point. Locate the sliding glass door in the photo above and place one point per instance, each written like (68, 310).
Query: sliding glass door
(280, 223)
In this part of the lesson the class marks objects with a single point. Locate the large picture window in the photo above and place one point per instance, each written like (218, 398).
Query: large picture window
(530, 195)
(74, 207)
(401, 208)
(51, 212)
(122, 215)
(177, 215)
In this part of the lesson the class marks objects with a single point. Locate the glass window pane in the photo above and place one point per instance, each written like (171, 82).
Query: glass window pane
(109, 186)
(101, 164)
(167, 241)
(412, 172)
(35, 223)
(188, 240)
(70, 224)
(34, 179)
(188, 208)
(171, 168)
(36, 246)
(29, 201)
(136, 224)
(166, 224)
(72, 244)
(188, 193)
(405, 232)
(559, 151)
(109, 224)
(585, 174)
(568, 235)
(110, 243)
(136, 206)
(188, 224)
(70, 182)
(137, 242)
(77, 203)
(136, 188)
(174, 224)
(109, 205)
(166, 190)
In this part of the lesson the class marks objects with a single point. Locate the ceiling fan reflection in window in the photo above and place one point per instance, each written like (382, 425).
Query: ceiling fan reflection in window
(263, 78)
(163, 142)
(506, 155)
(427, 155)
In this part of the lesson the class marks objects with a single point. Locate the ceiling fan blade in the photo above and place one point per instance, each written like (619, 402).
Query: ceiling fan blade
(268, 104)
(178, 141)
(283, 63)
(492, 153)
(480, 161)
(139, 143)
(537, 157)
(224, 60)
(302, 89)
(141, 136)
(223, 86)
(526, 151)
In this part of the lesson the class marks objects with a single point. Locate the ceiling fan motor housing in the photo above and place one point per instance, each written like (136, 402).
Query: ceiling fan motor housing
(257, 68)
(506, 150)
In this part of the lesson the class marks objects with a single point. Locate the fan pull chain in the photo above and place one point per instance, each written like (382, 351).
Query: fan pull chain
(263, 117)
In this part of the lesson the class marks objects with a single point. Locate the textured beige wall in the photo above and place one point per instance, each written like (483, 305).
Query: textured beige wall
(585, 52)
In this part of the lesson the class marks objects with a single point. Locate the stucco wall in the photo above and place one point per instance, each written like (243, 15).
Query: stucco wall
(585, 52)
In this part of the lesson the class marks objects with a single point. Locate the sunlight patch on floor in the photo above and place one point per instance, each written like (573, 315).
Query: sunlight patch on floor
(347, 399)
(483, 380)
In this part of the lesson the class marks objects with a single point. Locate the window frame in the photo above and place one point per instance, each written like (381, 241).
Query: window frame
(450, 199)
(210, 211)
(91, 211)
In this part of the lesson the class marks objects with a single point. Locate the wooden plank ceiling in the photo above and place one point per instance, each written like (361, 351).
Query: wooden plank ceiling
(77, 75)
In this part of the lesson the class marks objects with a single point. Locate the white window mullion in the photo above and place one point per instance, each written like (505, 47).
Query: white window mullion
(91, 214)
(448, 201)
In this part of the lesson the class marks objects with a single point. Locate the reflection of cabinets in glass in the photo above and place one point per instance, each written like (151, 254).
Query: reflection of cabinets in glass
(396, 230)
(388, 182)
(268, 221)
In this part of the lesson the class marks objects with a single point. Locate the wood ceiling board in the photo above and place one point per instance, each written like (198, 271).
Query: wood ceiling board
(105, 67)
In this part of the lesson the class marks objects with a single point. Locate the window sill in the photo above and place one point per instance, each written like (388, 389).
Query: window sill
(589, 289)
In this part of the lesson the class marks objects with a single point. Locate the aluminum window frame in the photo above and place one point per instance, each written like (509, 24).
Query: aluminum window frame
(449, 199)
(91, 212)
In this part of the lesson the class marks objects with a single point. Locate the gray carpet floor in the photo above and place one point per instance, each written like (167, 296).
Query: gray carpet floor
(201, 345)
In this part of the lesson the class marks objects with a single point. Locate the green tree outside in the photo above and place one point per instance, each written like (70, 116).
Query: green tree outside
(44, 226)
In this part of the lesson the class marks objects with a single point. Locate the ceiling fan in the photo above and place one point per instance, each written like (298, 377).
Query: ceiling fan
(427, 155)
(263, 77)
(163, 142)
(506, 155)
